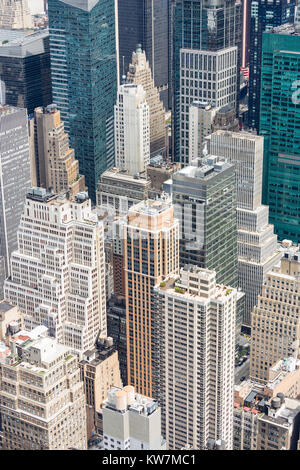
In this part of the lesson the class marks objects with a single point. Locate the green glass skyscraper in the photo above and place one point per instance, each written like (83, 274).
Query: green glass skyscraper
(84, 79)
(280, 126)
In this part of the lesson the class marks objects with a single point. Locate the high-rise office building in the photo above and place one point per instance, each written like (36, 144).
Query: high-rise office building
(257, 244)
(140, 73)
(55, 164)
(132, 129)
(206, 61)
(15, 14)
(146, 22)
(25, 71)
(264, 15)
(279, 122)
(196, 323)
(42, 400)
(150, 254)
(14, 181)
(99, 369)
(84, 70)
(275, 323)
(131, 421)
(58, 270)
(204, 199)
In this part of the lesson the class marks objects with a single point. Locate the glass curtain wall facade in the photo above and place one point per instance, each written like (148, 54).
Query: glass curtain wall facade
(280, 126)
(201, 26)
(84, 68)
(25, 71)
(146, 22)
(265, 14)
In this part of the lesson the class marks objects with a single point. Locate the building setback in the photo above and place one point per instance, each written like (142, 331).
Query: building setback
(139, 73)
(58, 269)
(42, 397)
(257, 244)
(146, 22)
(84, 71)
(275, 325)
(55, 165)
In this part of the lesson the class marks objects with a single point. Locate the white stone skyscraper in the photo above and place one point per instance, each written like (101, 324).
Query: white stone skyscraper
(196, 326)
(42, 402)
(58, 271)
(257, 243)
(132, 129)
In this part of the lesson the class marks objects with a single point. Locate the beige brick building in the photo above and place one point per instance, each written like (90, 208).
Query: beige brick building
(140, 74)
(275, 321)
(42, 400)
(56, 167)
(100, 371)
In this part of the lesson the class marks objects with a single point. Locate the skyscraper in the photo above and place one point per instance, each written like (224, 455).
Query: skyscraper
(204, 199)
(196, 320)
(275, 322)
(25, 71)
(265, 14)
(206, 61)
(84, 63)
(279, 123)
(150, 254)
(146, 22)
(140, 73)
(55, 163)
(132, 129)
(257, 244)
(42, 399)
(14, 181)
(58, 269)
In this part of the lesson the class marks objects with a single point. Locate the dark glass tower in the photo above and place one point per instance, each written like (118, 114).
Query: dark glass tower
(84, 79)
(146, 22)
(280, 126)
(265, 14)
(203, 26)
(25, 71)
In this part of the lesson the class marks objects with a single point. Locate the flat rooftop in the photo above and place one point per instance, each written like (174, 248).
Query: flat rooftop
(5, 306)
(151, 207)
(25, 45)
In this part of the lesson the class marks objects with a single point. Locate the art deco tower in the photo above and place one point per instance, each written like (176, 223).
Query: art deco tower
(140, 74)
